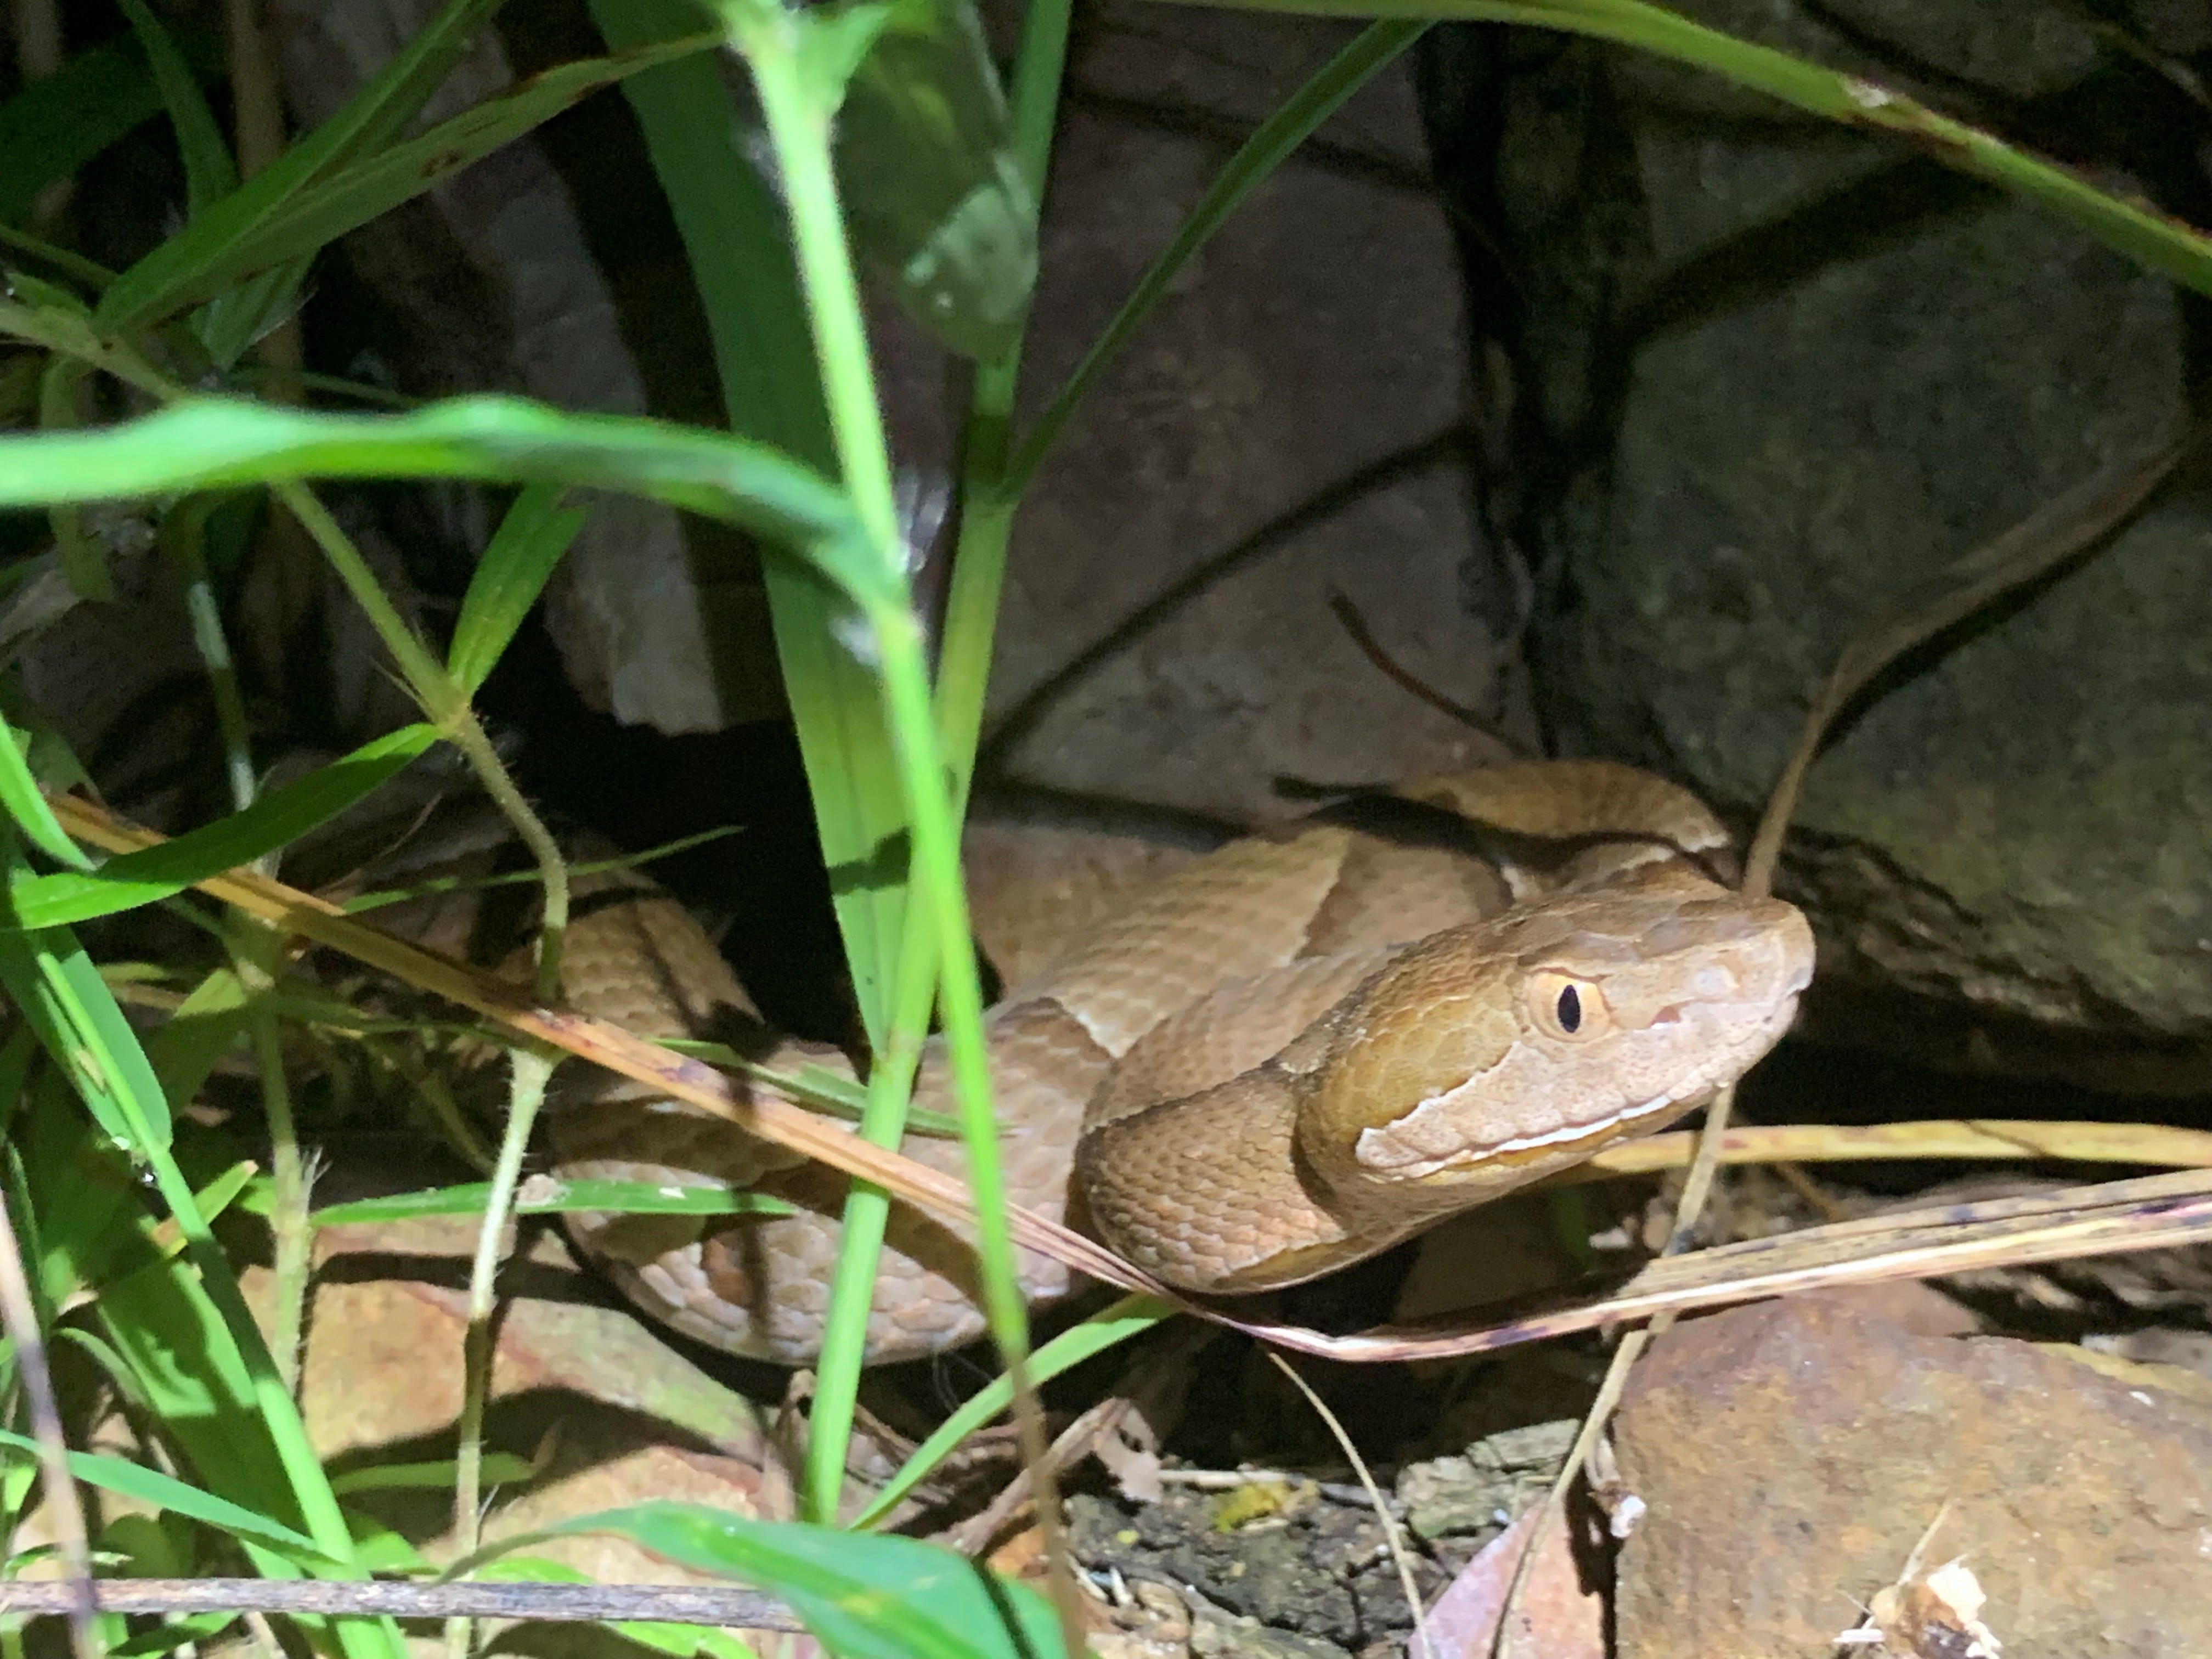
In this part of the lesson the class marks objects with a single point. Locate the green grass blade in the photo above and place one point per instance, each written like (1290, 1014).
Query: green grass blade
(232, 320)
(27, 805)
(278, 818)
(183, 1325)
(862, 1596)
(498, 1468)
(210, 174)
(166, 1324)
(735, 239)
(2163, 244)
(78, 1189)
(1258, 156)
(164, 1491)
(513, 572)
(733, 233)
(320, 214)
(181, 1347)
(860, 812)
(613, 1197)
(210, 442)
(937, 207)
(1131, 1315)
(57, 990)
(206, 1025)
(157, 285)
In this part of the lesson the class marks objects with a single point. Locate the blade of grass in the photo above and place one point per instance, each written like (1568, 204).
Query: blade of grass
(277, 820)
(748, 281)
(742, 263)
(938, 208)
(20, 796)
(561, 1198)
(798, 104)
(312, 218)
(864, 1597)
(1130, 1317)
(64, 999)
(210, 442)
(152, 289)
(1271, 143)
(60, 994)
(2161, 243)
(166, 1492)
(963, 667)
(210, 174)
(516, 565)
(192, 1351)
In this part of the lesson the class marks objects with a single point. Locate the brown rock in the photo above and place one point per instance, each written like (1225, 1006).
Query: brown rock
(1793, 1453)
(1276, 432)
(610, 1413)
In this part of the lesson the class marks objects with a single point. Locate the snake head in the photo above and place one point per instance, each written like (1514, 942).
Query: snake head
(1495, 1053)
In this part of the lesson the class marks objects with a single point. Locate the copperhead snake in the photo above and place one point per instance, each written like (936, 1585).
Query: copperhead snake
(1276, 1062)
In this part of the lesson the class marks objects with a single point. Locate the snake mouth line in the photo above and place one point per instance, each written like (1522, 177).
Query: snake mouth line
(1567, 1134)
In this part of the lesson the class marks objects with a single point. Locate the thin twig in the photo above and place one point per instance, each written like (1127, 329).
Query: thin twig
(670, 1604)
(1354, 624)
(2065, 528)
(1422, 1647)
(1074, 1443)
(62, 1503)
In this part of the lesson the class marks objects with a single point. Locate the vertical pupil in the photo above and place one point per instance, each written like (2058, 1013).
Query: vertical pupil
(1571, 1009)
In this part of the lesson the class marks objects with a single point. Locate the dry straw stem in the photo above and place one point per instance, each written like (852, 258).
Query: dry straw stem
(2156, 1146)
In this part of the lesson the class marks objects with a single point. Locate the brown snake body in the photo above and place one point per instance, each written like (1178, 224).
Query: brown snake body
(1276, 1062)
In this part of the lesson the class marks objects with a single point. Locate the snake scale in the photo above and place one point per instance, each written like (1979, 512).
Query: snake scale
(1275, 1061)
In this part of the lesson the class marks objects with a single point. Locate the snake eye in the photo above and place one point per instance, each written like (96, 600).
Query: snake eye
(1565, 1006)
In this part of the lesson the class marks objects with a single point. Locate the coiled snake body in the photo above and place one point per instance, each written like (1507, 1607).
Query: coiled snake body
(1276, 1062)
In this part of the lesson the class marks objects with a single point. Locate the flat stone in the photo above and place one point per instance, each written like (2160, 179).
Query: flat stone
(1793, 1453)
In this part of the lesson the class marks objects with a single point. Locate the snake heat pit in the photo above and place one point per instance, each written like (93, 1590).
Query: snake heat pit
(1272, 1063)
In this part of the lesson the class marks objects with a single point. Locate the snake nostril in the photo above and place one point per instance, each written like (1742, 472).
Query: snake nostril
(1713, 982)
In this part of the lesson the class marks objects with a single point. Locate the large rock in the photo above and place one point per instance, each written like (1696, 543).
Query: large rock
(1280, 429)
(1833, 368)
(1794, 1454)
